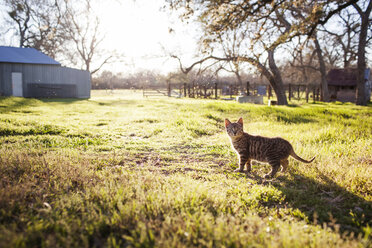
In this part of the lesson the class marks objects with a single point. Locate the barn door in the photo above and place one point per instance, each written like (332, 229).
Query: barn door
(17, 88)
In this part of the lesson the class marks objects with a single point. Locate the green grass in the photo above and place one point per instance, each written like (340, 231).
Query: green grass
(118, 170)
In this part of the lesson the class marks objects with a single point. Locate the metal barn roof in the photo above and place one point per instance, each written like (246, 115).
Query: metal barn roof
(24, 56)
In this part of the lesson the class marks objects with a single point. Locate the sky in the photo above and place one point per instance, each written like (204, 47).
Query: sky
(140, 31)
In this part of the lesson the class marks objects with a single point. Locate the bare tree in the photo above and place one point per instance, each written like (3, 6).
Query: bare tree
(322, 70)
(62, 29)
(86, 38)
(302, 65)
(302, 13)
(366, 22)
(20, 13)
(344, 48)
(37, 24)
(231, 45)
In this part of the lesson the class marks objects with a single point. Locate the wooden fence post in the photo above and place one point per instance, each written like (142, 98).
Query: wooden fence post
(169, 89)
(318, 94)
(314, 94)
(307, 94)
(247, 88)
(215, 90)
(193, 89)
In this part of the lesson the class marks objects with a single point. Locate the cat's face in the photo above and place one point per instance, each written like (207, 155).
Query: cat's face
(234, 129)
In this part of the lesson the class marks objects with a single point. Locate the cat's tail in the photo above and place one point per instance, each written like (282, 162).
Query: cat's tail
(294, 155)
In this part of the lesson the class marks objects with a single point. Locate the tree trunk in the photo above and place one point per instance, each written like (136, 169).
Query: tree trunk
(323, 72)
(276, 80)
(240, 82)
(273, 75)
(361, 83)
(279, 92)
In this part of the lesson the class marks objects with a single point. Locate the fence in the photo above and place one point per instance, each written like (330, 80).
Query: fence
(220, 90)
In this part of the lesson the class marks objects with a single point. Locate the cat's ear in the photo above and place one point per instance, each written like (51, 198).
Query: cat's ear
(240, 121)
(227, 122)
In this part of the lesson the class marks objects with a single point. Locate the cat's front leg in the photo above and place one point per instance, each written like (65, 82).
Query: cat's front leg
(242, 161)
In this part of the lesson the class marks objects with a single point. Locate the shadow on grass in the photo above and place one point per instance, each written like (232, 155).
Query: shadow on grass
(62, 100)
(322, 202)
(326, 202)
(113, 102)
(293, 105)
(293, 120)
(296, 116)
(13, 104)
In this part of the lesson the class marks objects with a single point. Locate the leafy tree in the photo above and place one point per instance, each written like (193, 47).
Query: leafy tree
(270, 24)
(263, 25)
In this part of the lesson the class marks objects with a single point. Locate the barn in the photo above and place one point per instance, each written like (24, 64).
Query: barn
(27, 72)
(342, 84)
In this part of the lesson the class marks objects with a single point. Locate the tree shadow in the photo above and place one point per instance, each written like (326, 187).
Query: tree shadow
(322, 201)
(62, 100)
(293, 105)
(293, 119)
(12, 104)
(325, 201)
(113, 102)
(20, 104)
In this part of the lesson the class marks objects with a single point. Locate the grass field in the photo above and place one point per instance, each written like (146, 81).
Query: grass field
(118, 170)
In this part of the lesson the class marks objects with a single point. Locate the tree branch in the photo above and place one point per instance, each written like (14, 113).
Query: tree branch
(330, 14)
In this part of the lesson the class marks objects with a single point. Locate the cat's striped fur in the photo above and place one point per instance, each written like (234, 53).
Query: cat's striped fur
(274, 151)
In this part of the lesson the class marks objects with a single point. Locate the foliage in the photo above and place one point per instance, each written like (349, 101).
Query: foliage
(118, 170)
(266, 25)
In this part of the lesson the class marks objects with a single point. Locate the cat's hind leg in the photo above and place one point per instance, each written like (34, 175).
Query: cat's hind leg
(275, 167)
(248, 165)
(284, 163)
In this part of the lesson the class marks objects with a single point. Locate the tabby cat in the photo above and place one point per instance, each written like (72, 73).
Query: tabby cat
(274, 151)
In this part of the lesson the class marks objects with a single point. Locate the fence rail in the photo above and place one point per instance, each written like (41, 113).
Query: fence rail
(154, 92)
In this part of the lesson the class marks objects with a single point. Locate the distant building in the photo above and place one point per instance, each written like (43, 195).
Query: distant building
(27, 72)
(342, 84)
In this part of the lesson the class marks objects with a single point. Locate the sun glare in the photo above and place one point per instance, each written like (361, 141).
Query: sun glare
(140, 31)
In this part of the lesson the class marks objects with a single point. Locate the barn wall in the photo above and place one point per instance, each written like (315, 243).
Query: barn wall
(5, 79)
(44, 79)
(76, 77)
